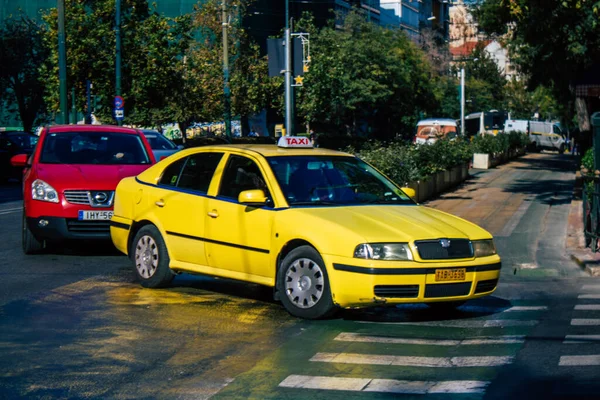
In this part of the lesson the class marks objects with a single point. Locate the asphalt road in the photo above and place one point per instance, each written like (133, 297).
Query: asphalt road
(75, 324)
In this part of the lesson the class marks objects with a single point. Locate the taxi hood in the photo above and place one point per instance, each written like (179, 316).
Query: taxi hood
(393, 223)
(86, 176)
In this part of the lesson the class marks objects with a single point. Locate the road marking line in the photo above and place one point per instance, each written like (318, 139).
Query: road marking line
(589, 296)
(527, 308)
(491, 323)
(515, 219)
(587, 307)
(579, 361)
(585, 321)
(357, 337)
(382, 385)
(410, 361)
(10, 211)
(594, 288)
(574, 339)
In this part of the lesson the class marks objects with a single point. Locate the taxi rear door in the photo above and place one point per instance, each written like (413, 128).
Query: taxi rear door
(238, 236)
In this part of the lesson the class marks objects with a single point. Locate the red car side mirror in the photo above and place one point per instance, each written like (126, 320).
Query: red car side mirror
(20, 160)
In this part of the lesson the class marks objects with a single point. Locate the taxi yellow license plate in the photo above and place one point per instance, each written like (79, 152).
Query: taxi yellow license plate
(454, 274)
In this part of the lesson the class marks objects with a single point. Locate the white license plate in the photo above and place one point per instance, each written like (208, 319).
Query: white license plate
(94, 215)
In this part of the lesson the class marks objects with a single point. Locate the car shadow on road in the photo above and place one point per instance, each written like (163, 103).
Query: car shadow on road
(83, 249)
(423, 313)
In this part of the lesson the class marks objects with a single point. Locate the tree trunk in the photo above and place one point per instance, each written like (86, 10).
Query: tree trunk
(583, 117)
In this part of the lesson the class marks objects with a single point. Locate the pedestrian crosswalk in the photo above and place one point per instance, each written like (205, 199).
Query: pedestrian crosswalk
(419, 357)
(588, 342)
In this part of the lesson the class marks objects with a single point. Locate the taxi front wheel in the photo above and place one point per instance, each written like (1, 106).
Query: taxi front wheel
(151, 258)
(304, 285)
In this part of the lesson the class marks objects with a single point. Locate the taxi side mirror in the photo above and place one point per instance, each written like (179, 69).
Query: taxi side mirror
(410, 192)
(20, 160)
(255, 197)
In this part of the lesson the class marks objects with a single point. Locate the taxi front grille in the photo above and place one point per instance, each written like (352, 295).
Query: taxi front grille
(74, 225)
(448, 289)
(444, 249)
(397, 291)
(486, 286)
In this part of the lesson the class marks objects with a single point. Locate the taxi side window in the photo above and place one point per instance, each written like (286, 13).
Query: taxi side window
(198, 171)
(170, 176)
(241, 174)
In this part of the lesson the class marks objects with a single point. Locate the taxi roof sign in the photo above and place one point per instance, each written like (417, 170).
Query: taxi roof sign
(294, 141)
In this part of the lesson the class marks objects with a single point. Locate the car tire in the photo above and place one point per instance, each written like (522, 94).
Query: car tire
(30, 244)
(151, 258)
(303, 284)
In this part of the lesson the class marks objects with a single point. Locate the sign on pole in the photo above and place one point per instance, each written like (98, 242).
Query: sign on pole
(119, 103)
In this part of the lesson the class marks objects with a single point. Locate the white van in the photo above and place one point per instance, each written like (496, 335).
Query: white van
(546, 136)
(516, 125)
(431, 129)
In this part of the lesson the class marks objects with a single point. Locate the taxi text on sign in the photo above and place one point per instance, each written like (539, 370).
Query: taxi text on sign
(294, 141)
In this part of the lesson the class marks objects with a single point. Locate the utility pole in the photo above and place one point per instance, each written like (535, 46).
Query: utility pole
(288, 72)
(118, 53)
(462, 101)
(73, 107)
(226, 89)
(62, 62)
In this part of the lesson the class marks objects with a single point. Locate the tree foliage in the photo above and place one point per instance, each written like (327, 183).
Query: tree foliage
(152, 50)
(363, 75)
(22, 53)
(552, 41)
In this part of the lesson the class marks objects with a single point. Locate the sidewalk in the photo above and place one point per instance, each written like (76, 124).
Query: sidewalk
(575, 243)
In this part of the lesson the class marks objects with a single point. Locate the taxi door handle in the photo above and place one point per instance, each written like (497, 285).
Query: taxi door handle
(160, 203)
(213, 214)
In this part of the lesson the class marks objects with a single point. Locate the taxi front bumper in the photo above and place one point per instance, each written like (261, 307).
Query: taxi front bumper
(361, 283)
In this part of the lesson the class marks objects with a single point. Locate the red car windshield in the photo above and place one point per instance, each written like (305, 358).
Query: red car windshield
(93, 148)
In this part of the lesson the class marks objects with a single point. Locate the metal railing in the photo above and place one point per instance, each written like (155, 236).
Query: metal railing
(591, 211)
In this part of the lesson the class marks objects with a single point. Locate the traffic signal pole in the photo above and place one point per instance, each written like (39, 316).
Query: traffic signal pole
(226, 88)
(288, 73)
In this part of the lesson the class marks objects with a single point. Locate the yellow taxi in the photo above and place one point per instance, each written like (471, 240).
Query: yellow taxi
(325, 229)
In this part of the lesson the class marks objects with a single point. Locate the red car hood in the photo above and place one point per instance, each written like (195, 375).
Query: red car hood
(86, 177)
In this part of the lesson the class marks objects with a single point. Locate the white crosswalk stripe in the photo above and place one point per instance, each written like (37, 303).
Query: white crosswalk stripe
(356, 337)
(591, 288)
(484, 323)
(587, 307)
(580, 361)
(585, 321)
(383, 385)
(430, 362)
(589, 296)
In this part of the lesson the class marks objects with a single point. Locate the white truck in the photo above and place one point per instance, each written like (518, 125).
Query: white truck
(543, 135)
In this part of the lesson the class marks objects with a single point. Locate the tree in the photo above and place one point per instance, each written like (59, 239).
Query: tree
(22, 53)
(152, 49)
(363, 77)
(251, 88)
(552, 41)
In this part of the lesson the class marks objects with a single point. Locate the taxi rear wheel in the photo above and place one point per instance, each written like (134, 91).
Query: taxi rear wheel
(151, 258)
(303, 284)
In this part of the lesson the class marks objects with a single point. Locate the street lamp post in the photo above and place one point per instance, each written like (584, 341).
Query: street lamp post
(462, 101)
(62, 62)
(226, 88)
(118, 52)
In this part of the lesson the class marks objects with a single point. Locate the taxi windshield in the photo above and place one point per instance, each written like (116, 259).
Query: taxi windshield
(333, 180)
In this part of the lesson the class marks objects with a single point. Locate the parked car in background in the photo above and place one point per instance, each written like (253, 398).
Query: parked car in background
(69, 185)
(11, 144)
(432, 129)
(161, 146)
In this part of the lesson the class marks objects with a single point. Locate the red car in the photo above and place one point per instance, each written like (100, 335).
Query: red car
(70, 180)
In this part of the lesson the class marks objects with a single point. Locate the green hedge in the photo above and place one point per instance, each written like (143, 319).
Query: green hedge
(404, 162)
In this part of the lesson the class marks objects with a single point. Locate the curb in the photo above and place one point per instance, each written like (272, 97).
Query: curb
(585, 261)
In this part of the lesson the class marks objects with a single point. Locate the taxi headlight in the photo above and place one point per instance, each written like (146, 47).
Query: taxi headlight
(383, 251)
(40, 190)
(484, 248)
